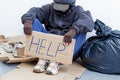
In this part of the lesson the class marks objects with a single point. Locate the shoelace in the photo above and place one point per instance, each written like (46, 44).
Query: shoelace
(41, 63)
(54, 66)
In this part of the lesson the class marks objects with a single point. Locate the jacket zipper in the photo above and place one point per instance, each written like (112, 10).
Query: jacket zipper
(60, 23)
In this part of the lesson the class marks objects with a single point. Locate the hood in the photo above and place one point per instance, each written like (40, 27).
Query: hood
(71, 2)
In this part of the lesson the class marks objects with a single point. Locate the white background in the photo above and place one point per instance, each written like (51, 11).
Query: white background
(11, 11)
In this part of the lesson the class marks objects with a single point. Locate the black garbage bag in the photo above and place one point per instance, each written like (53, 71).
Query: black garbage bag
(102, 52)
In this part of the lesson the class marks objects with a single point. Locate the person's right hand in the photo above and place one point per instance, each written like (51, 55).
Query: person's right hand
(27, 27)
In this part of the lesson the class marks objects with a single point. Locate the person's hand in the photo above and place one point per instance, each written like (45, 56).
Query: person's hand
(27, 27)
(68, 36)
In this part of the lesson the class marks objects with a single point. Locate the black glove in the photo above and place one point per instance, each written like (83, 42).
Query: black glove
(68, 36)
(27, 27)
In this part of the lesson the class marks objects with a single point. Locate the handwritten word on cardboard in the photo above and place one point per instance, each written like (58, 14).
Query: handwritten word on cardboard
(50, 47)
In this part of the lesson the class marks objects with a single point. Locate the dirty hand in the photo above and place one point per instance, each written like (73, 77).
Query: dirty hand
(68, 36)
(27, 27)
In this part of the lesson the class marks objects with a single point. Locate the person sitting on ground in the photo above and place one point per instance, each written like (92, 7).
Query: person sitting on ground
(61, 17)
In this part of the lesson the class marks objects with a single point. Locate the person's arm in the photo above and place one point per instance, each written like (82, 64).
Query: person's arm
(36, 12)
(83, 24)
(28, 18)
(68, 36)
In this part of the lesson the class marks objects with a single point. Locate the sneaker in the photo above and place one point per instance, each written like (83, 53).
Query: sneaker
(53, 68)
(40, 66)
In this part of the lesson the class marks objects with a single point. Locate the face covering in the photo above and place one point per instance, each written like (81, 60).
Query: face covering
(61, 7)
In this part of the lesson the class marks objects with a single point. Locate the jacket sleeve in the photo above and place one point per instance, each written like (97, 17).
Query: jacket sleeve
(84, 23)
(36, 12)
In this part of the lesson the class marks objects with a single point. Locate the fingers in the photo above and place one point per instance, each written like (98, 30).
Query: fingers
(27, 30)
(27, 27)
(28, 21)
(66, 44)
(67, 40)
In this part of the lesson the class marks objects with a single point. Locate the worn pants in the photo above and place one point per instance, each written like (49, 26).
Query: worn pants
(80, 38)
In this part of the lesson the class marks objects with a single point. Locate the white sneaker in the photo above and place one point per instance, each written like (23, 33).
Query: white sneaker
(53, 68)
(40, 66)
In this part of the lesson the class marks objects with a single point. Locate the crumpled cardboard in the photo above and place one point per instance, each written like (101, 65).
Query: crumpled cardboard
(10, 57)
(2, 39)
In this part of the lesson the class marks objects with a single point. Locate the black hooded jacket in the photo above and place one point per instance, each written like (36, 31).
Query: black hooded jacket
(58, 23)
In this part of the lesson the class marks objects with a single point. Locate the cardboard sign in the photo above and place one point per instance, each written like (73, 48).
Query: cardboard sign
(50, 47)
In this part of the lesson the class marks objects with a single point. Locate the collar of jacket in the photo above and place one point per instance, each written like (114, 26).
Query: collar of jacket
(67, 13)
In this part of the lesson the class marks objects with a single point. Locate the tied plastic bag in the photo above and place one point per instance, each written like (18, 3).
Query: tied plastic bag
(102, 52)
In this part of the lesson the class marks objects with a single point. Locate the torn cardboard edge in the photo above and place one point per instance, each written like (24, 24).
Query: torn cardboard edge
(9, 58)
(24, 72)
(20, 38)
(2, 39)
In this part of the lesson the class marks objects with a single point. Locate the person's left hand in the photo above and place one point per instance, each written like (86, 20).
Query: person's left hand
(27, 27)
(68, 36)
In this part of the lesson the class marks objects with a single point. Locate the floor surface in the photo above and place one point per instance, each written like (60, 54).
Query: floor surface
(87, 75)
